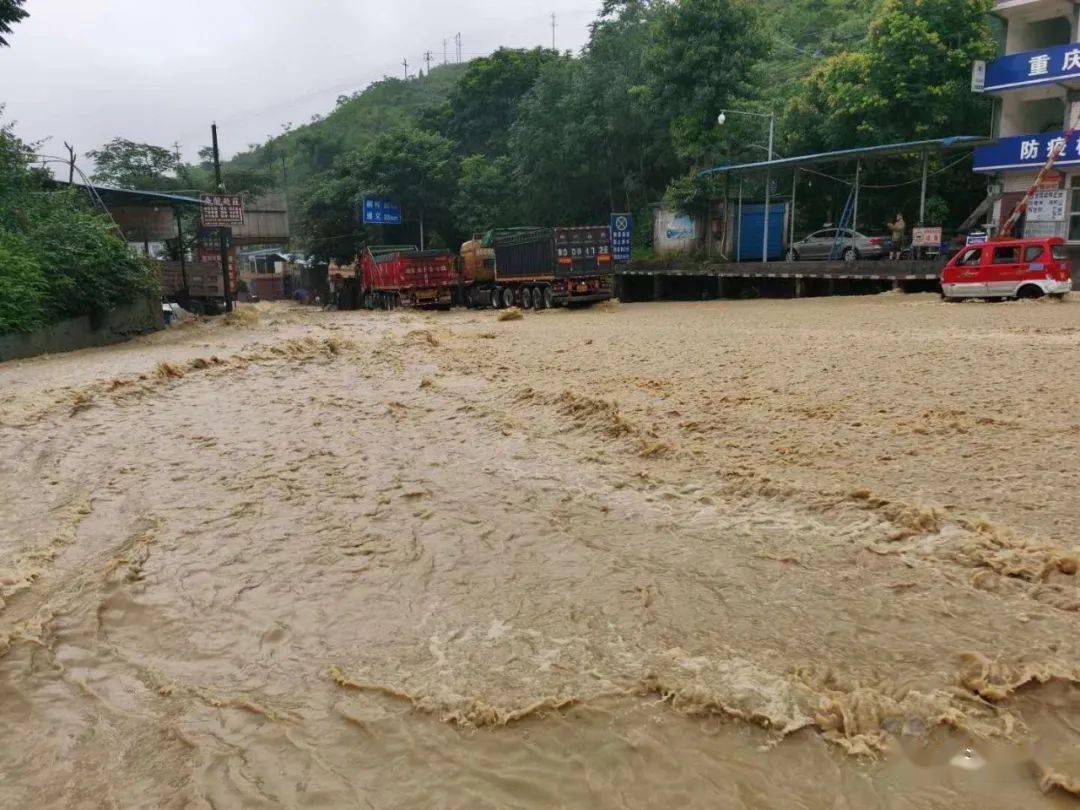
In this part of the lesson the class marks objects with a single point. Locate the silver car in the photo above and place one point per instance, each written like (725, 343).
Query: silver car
(819, 246)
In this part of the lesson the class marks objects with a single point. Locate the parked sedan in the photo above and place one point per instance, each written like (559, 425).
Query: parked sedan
(819, 246)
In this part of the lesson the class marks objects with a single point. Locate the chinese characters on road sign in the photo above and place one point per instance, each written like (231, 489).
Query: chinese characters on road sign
(622, 234)
(222, 210)
(381, 212)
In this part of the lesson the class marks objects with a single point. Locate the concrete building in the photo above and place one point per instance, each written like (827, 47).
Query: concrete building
(1036, 86)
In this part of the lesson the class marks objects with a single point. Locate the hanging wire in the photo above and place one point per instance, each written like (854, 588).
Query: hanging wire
(841, 180)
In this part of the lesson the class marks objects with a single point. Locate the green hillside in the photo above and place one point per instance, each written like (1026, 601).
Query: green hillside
(356, 120)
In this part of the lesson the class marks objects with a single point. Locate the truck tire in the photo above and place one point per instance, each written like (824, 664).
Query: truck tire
(538, 298)
(526, 298)
(549, 298)
(496, 298)
(508, 297)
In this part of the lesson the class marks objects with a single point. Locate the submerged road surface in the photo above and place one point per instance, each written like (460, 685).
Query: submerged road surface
(816, 553)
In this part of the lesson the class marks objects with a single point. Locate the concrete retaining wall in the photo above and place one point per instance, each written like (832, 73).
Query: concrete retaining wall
(137, 318)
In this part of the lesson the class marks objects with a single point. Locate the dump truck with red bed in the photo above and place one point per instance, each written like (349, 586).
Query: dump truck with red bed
(538, 267)
(401, 276)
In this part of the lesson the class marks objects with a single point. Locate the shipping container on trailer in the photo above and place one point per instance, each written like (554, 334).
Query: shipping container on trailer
(537, 267)
(402, 276)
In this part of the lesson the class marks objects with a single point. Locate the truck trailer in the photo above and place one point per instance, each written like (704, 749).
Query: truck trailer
(395, 276)
(537, 267)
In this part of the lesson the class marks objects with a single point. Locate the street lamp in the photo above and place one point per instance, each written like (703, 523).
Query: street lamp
(721, 119)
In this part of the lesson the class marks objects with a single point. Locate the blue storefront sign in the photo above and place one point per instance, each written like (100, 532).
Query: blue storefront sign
(381, 212)
(622, 237)
(1026, 152)
(1047, 66)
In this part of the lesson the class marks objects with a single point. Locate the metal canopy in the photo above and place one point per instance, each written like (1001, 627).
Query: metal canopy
(936, 144)
(128, 196)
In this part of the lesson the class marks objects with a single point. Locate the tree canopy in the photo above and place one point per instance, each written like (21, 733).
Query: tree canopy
(58, 257)
(11, 12)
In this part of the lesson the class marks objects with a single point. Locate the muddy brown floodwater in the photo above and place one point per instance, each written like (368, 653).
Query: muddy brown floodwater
(817, 554)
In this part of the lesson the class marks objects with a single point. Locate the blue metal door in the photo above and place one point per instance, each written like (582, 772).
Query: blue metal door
(752, 232)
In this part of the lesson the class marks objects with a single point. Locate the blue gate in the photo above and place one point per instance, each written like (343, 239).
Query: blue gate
(752, 232)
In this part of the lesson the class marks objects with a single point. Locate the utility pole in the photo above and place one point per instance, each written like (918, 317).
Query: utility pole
(285, 182)
(457, 41)
(554, 25)
(444, 44)
(71, 163)
(405, 63)
(427, 60)
(176, 150)
(223, 242)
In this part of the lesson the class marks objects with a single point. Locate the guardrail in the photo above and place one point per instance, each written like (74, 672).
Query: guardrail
(882, 270)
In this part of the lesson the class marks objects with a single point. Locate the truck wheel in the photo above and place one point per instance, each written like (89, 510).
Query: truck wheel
(496, 298)
(508, 297)
(526, 298)
(549, 298)
(538, 298)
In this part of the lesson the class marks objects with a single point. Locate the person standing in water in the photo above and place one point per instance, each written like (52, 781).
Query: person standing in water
(897, 229)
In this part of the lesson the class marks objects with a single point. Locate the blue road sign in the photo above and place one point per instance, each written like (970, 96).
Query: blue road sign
(622, 237)
(381, 212)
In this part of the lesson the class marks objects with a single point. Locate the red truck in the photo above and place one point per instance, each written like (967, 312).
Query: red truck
(395, 276)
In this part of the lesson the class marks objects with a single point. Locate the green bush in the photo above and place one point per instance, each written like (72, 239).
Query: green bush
(59, 258)
(22, 287)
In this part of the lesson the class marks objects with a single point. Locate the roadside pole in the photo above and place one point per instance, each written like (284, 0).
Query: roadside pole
(223, 242)
(768, 181)
(183, 261)
(855, 210)
(922, 197)
(794, 189)
(738, 228)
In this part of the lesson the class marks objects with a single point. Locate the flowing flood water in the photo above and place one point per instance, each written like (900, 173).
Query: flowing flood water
(816, 554)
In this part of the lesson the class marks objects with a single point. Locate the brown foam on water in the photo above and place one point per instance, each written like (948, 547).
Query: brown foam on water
(660, 556)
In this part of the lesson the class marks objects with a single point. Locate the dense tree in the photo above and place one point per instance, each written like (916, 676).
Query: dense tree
(484, 103)
(416, 169)
(911, 81)
(11, 12)
(486, 197)
(126, 164)
(58, 257)
(702, 59)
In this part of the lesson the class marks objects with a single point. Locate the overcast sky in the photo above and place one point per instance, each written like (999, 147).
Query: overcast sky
(159, 72)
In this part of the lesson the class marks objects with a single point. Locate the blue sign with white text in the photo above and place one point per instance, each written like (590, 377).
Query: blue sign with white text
(622, 237)
(1026, 152)
(1047, 66)
(381, 212)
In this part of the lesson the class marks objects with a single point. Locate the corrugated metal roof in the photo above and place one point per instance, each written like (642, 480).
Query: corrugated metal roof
(135, 196)
(936, 144)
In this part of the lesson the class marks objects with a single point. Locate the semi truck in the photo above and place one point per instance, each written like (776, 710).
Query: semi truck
(537, 267)
(393, 276)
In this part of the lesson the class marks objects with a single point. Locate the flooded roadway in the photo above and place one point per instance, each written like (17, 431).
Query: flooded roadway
(757, 554)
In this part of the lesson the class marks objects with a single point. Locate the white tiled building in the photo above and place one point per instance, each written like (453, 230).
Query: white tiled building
(1036, 86)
